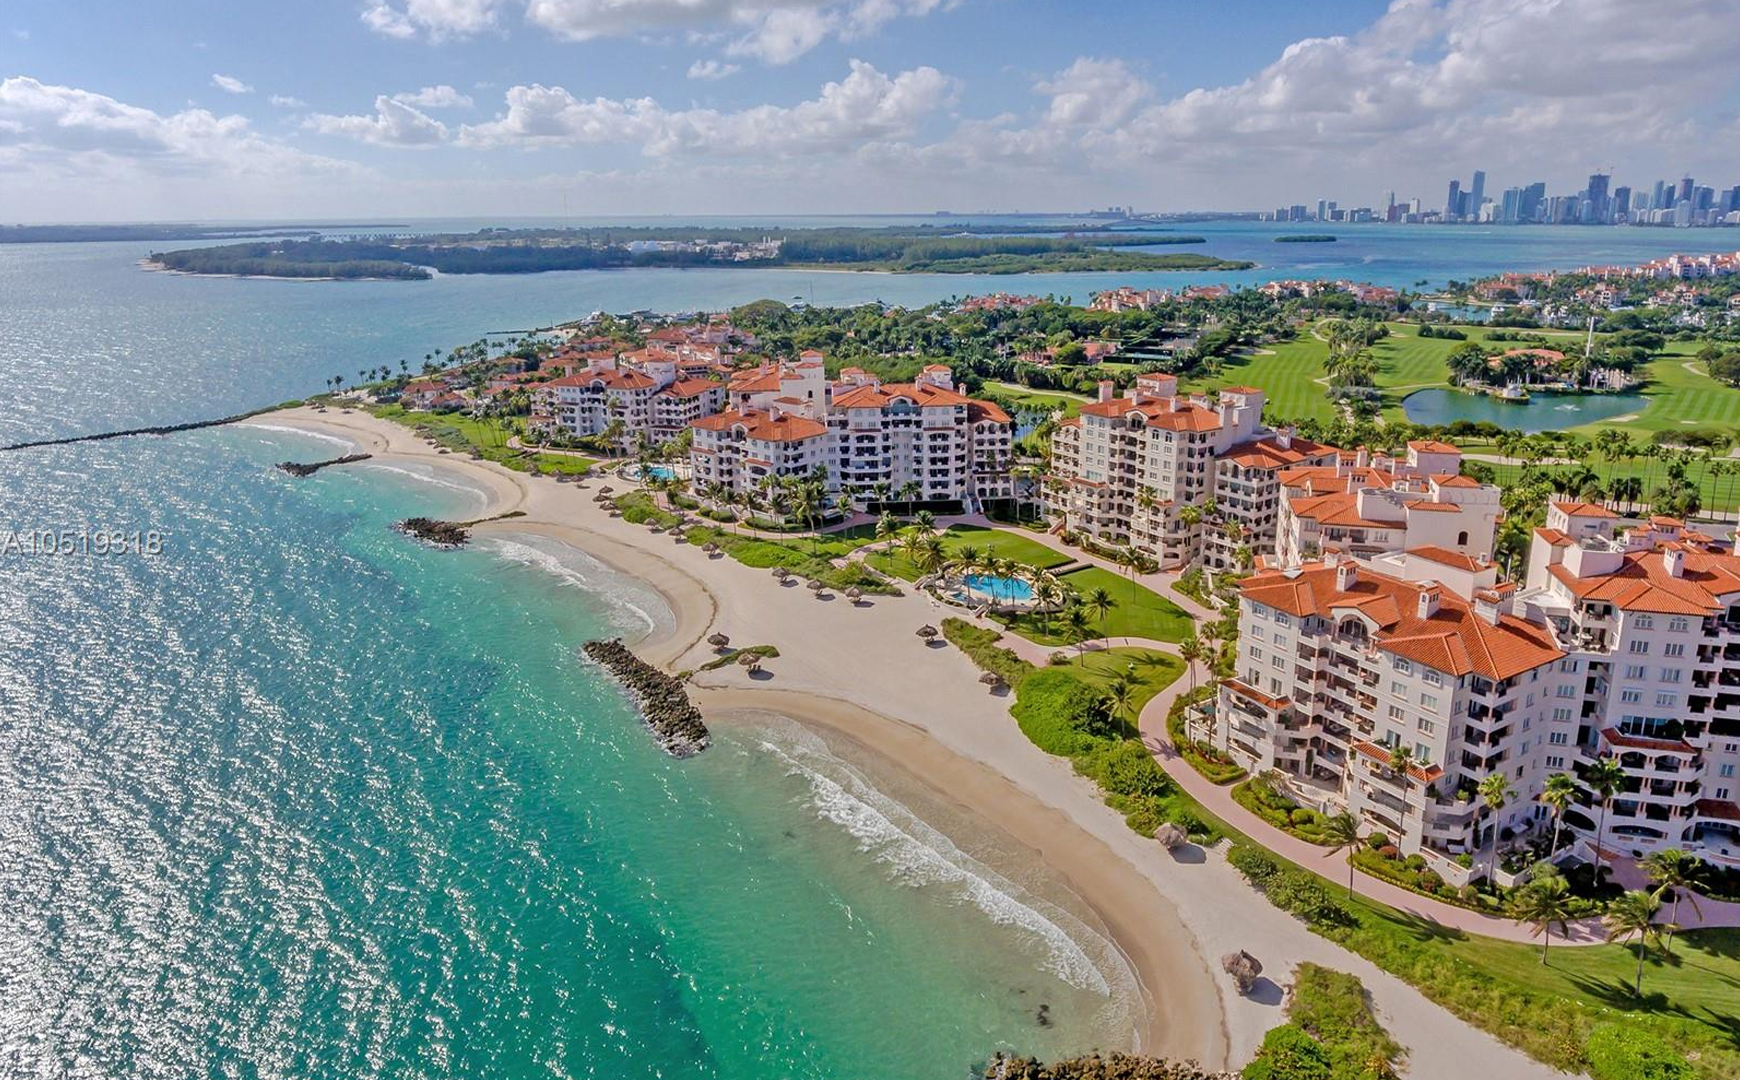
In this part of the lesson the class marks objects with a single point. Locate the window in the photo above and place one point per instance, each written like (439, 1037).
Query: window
(1399, 689)
(1639, 648)
(1666, 699)
(1646, 622)
(1561, 714)
(1429, 702)
(1725, 771)
(1259, 611)
(1283, 619)
(1426, 726)
(1432, 677)
(1721, 793)
(1679, 624)
(1422, 754)
(1559, 738)
(1405, 667)
(1631, 695)
(1462, 538)
(1635, 671)
(1565, 690)
(1278, 661)
(1555, 762)
(1670, 674)
(1256, 632)
(1396, 713)
(1674, 648)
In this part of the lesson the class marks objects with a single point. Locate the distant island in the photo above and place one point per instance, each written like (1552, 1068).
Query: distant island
(75, 234)
(1306, 238)
(897, 249)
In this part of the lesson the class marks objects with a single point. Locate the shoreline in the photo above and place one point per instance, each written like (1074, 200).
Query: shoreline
(1178, 1003)
(862, 669)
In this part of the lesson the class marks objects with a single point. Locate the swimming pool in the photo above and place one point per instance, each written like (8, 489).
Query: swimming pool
(999, 588)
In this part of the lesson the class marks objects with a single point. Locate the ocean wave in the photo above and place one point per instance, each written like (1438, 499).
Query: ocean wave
(633, 604)
(920, 855)
(427, 475)
(305, 433)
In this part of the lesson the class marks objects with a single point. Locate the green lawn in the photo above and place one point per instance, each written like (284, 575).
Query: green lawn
(1001, 543)
(1153, 671)
(1678, 397)
(1719, 493)
(1025, 398)
(489, 438)
(1138, 612)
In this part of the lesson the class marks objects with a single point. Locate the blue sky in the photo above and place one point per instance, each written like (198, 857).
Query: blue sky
(465, 107)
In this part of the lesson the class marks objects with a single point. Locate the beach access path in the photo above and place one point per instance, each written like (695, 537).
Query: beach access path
(861, 669)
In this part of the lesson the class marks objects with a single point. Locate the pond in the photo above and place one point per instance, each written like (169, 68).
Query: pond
(1542, 412)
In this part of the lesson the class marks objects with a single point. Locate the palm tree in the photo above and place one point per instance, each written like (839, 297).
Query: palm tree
(1100, 602)
(1048, 592)
(1559, 792)
(1633, 916)
(1341, 833)
(1495, 791)
(1545, 903)
(1190, 651)
(1120, 695)
(1401, 760)
(1077, 625)
(932, 556)
(1605, 777)
(909, 493)
(1673, 869)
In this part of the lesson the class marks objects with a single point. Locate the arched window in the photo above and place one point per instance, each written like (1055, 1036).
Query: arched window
(1462, 538)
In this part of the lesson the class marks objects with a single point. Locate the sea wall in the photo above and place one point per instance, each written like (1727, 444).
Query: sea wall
(664, 704)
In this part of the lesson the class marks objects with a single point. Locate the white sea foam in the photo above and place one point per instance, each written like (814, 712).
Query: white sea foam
(305, 433)
(634, 606)
(919, 855)
(426, 475)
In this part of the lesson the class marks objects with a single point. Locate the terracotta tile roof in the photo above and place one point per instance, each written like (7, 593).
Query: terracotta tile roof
(756, 381)
(1719, 809)
(1665, 522)
(1583, 509)
(609, 378)
(1453, 640)
(1244, 689)
(1642, 583)
(1433, 446)
(1268, 453)
(1338, 508)
(1434, 553)
(688, 388)
(1552, 536)
(1323, 479)
(1455, 480)
(1163, 414)
(1615, 737)
(1240, 390)
(767, 427)
(1381, 754)
(1433, 506)
(979, 412)
(878, 396)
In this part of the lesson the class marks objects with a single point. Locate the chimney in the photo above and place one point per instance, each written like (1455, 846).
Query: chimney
(1430, 594)
(1105, 390)
(1345, 575)
(1284, 438)
(1361, 458)
(1488, 607)
(1673, 560)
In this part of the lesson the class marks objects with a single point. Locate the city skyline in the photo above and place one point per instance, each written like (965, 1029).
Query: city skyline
(468, 107)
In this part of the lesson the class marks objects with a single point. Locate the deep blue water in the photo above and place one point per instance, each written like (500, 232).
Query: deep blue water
(1541, 412)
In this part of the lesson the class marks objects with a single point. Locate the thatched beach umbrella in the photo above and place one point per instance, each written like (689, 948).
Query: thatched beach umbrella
(928, 633)
(991, 679)
(854, 594)
(1244, 969)
(1171, 836)
(781, 573)
(710, 547)
(815, 585)
(655, 527)
(749, 660)
(719, 641)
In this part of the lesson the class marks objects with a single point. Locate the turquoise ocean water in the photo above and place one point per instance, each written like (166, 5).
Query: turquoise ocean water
(294, 797)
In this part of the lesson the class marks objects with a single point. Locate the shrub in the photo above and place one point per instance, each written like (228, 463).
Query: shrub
(1124, 768)
(1378, 840)
(982, 649)
(1389, 851)
(1416, 862)
(1623, 1052)
(1331, 1007)
(1060, 713)
(1289, 1053)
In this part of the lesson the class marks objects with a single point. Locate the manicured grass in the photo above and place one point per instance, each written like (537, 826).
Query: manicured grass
(998, 543)
(1680, 398)
(1152, 671)
(1025, 398)
(1138, 612)
(489, 438)
(1718, 493)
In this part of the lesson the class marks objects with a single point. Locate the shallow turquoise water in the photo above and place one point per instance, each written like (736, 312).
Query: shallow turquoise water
(1000, 588)
(1541, 412)
(299, 797)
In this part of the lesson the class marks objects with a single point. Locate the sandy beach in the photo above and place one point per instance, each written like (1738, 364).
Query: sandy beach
(859, 671)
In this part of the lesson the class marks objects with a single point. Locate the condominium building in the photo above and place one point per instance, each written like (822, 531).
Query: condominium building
(871, 436)
(654, 395)
(1340, 664)
(1366, 505)
(1653, 616)
(1128, 468)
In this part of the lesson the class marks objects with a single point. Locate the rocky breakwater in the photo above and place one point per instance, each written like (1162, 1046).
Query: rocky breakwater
(297, 468)
(664, 704)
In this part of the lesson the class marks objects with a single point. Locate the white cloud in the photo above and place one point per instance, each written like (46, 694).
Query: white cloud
(712, 69)
(285, 101)
(229, 84)
(1093, 94)
(775, 31)
(867, 106)
(437, 20)
(393, 124)
(435, 97)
